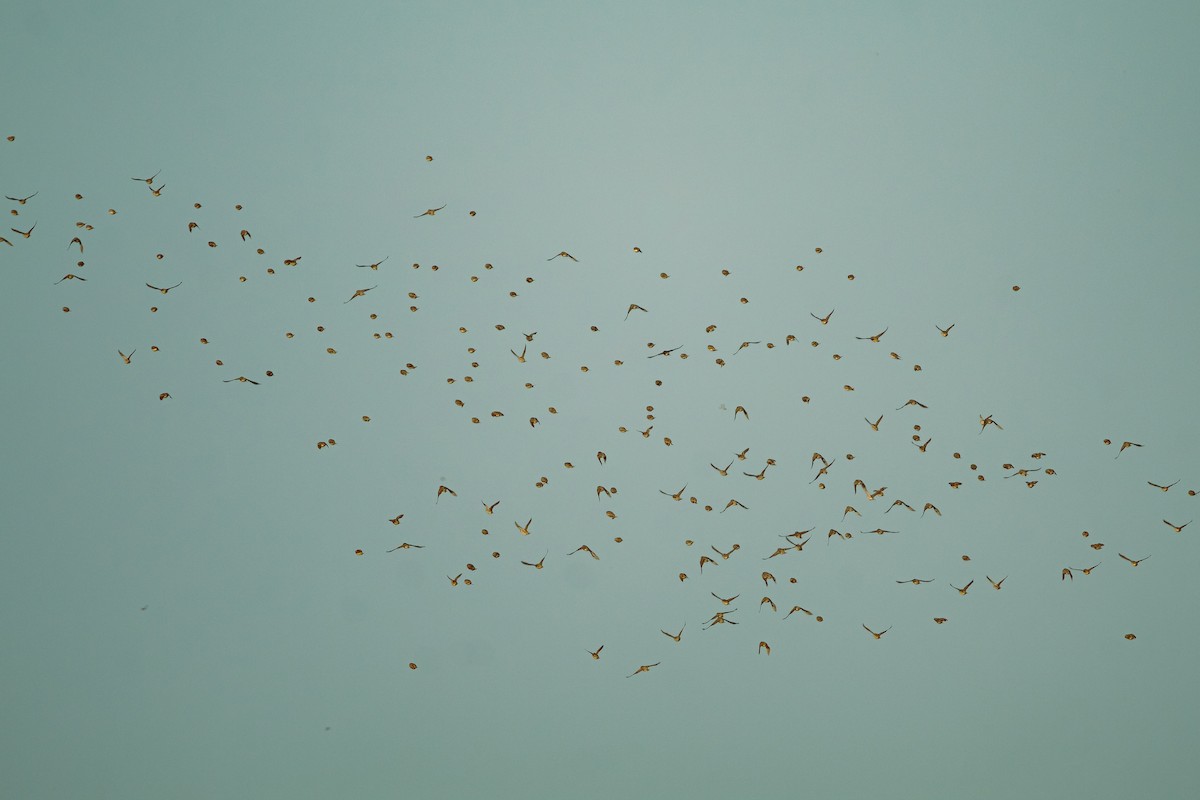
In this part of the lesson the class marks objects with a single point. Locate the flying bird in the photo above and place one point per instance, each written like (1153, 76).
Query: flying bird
(563, 254)
(428, 212)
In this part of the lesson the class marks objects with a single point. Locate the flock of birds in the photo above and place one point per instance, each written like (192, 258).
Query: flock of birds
(825, 472)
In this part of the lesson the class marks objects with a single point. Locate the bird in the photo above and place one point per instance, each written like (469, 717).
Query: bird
(538, 564)
(823, 320)
(664, 352)
(164, 291)
(643, 668)
(429, 212)
(931, 507)
(157, 192)
(916, 581)
(742, 411)
(1088, 570)
(997, 584)
(676, 636)
(742, 455)
(744, 346)
(985, 421)
(677, 496)
(705, 560)
(963, 590)
(489, 509)
(874, 425)
(764, 646)
(126, 358)
(795, 609)
(724, 600)
(731, 504)
(6, 241)
(454, 580)
(75, 240)
(1178, 528)
(70, 276)
(524, 529)
(520, 358)
(148, 181)
(374, 265)
(945, 331)
(563, 254)
(595, 654)
(360, 293)
(757, 476)
(1130, 560)
(913, 403)
(241, 379)
(1124, 445)
(874, 338)
(900, 503)
(873, 633)
(25, 234)
(725, 556)
(1067, 573)
(634, 307)
(1164, 488)
(245, 234)
(441, 490)
(396, 519)
(585, 549)
(21, 200)
(406, 546)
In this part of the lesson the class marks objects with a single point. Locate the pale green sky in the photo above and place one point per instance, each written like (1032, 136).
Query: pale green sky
(939, 152)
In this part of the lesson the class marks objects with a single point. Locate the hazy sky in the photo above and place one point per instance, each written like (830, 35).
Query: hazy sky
(182, 610)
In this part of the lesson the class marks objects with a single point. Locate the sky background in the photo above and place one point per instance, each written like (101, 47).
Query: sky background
(941, 153)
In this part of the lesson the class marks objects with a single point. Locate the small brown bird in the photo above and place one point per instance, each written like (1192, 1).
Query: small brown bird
(1158, 486)
(725, 556)
(126, 358)
(601, 457)
(148, 181)
(725, 601)
(873, 633)
(874, 338)
(634, 307)
(406, 546)
(373, 265)
(164, 395)
(963, 590)
(913, 403)
(945, 331)
(563, 254)
(768, 578)
(741, 410)
(75, 240)
(595, 654)
(489, 509)
(396, 519)
(677, 496)
(524, 529)
(874, 425)
(1130, 560)
(585, 549)
(997, 584)
(731, 504)
(428, 212)
(21, 200)
(360, 293)
(241, 379)
(823, 320)
(916, 581)
(931, 507)
(764, 646)
(1177, 528)
(900, 503)
(441, 490)
(742, 455)
(705, 560)
(1124, 445)
(537, 565)
(70, 276)
(164, 291)
(157, 192)
(798, 608)
(643, 668)
(985, 421)
(25, 234)
(676, 636)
